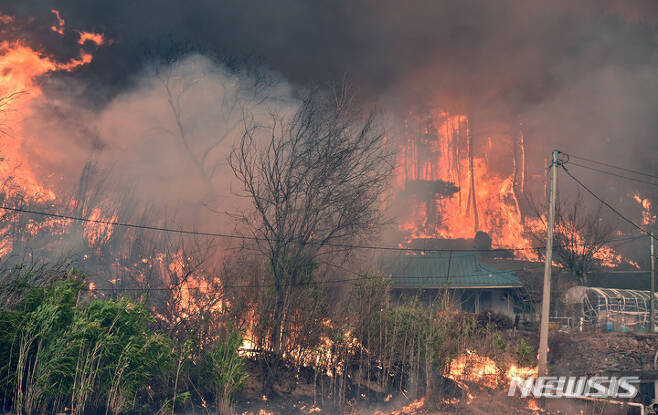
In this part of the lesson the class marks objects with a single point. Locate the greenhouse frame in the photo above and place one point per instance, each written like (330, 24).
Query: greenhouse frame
(614, 309)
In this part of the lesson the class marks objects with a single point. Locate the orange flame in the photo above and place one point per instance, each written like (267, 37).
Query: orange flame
(97, 38)
(519, 372)
(21, 66)
(453, 192)
(473, 368)
(647, 217)
(532, 405)
(470, 367)
(411, 408)
(469, 197)
(59, 28)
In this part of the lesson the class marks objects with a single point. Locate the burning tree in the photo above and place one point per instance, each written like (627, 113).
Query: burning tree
(580, 238)
(315, 185)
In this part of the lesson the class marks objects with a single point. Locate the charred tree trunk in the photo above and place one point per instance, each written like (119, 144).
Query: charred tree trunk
(518, 184)
(471, 169)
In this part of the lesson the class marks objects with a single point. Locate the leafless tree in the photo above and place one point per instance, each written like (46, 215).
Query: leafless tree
(581, 237)
(5, 106)
(236, 95)
(315, 182)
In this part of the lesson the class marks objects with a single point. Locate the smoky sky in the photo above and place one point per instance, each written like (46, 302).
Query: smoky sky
(578, 75)
(471, 52)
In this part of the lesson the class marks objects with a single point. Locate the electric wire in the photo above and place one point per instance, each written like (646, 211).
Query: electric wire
(254, 238)
(372, 247)
(608, 205)
(653, 176)
(613, 174)
(340, 281)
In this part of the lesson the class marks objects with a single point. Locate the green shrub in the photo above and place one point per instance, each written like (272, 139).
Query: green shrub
(525, 354)
(225, 369)
(498, 341)
(57, 352)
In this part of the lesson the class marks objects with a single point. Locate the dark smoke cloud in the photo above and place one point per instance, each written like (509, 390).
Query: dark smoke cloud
(579, 75)
(135, 142)
(473, 56)
(466, 51)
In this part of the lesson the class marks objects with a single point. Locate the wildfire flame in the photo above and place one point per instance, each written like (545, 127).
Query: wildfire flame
(21, 67)
(453, 192)
(470, 367)
(647, 217)
(519, 372)
(466, 195)
(473, 368)
(59, 28)
(97, 38)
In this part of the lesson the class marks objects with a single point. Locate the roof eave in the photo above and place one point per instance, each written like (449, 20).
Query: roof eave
(452, 287)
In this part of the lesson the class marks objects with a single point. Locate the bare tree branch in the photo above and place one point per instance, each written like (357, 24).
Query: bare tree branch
(314, 179)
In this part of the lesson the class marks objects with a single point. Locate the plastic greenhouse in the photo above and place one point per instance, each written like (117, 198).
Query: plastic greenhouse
(614, 309)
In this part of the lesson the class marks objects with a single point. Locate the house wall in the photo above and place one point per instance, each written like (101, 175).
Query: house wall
(478, 300)
(468, 300)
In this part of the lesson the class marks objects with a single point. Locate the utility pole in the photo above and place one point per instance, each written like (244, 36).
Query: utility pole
(652, 300)
(546, 295)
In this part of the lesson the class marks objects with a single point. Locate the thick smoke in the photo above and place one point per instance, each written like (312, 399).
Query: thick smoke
(165, 141)
(506, 60)
(577, 76)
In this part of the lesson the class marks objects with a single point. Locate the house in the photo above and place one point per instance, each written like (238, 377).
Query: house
(472, 285)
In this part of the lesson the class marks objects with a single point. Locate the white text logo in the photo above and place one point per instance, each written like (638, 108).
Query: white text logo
(576, 387)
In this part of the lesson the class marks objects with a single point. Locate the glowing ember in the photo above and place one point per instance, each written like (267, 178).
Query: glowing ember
(532, 405)
(516, 372)
(59, 28)
(647, 217)
(411, 408)
(474, 368)
(95, 38)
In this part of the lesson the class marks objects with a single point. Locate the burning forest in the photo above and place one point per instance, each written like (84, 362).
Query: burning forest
(340, 208)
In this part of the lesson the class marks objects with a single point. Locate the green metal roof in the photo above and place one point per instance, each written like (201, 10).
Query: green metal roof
(449, 270)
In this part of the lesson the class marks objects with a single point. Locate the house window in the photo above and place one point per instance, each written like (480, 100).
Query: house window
(469, 301)
(485, 301)
(476, 301)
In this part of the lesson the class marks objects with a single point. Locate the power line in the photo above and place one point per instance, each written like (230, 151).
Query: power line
(242, 237)
(340, 281)
(613, 166)
(613, 174)
(361, 278)
(608, 205)
(127, 225)
(147, 289)
(253, 238)
(624, 242)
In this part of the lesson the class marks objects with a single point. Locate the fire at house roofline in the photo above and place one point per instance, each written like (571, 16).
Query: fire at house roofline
(447, 170)
(457, 175)
(470, 186)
